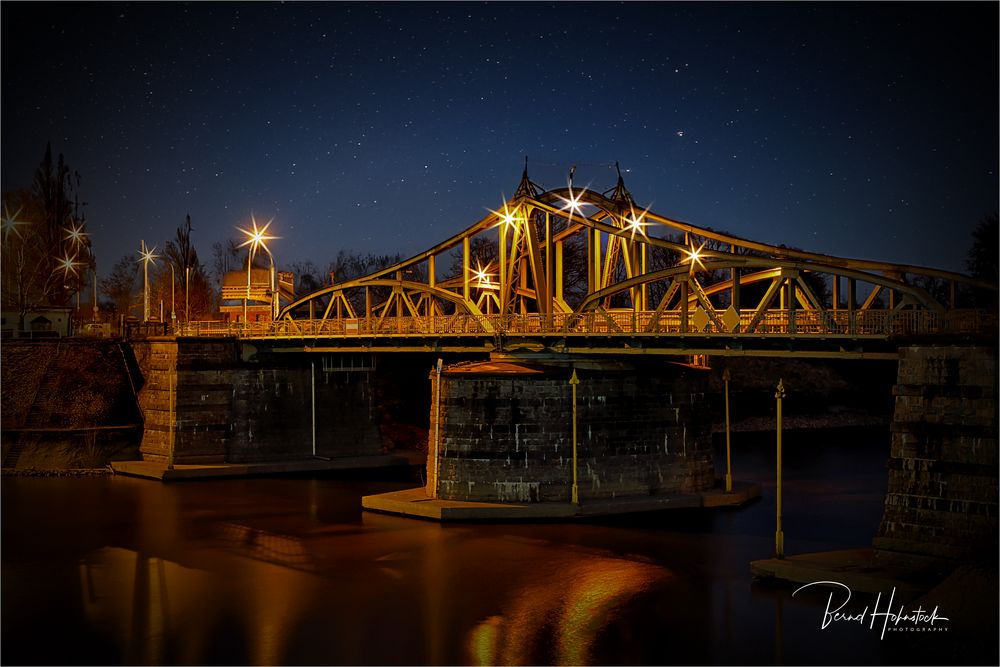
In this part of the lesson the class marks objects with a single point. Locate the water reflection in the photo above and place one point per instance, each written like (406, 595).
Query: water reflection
(566, 610)
(289, 571)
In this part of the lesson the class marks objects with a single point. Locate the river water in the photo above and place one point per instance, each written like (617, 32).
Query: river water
(289, 570)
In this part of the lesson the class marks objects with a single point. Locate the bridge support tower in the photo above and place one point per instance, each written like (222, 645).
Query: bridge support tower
(208, 401)
(501, 431)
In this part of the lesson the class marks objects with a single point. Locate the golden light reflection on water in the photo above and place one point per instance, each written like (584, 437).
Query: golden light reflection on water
(568, 612)
(146, 603)
(139, 599)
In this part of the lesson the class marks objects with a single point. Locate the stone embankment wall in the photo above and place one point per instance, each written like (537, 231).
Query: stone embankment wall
(505, 432)
(67, 404)
(227, 408)
(190, 385)
(942, 494)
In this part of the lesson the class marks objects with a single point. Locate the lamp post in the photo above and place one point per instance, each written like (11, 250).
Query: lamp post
(274, 292)
(575, 491)
(187, 294)
(146, 256)
(779, 534)
(246, 299)
(256, 238)
(78, 237)
(729, 466)
(68, 265)
(173, 312)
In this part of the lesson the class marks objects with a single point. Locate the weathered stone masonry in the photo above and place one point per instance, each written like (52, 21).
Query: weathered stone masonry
(506, 432)
(942, 494)
(230, 409)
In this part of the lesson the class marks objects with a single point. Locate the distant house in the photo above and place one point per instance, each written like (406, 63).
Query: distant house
(38, 323)
(258, 296)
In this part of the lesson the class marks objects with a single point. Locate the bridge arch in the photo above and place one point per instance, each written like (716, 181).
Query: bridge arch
(517, 262)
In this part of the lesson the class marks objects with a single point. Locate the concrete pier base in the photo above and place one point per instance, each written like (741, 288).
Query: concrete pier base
(415, 503)
(158, 471)
(861, 570)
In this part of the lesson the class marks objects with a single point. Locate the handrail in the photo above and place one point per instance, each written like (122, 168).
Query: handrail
(774, 322)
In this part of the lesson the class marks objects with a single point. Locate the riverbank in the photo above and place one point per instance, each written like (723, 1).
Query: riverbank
(57, 472)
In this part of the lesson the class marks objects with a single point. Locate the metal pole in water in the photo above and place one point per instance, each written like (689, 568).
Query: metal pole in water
(437, 424)
(312, 384)
(729, 467)
(779, 535)
(173, 424)
(573, 381)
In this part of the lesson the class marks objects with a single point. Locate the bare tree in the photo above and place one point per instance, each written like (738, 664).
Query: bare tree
(189, 272)
(46, 250)
(120, 285)
(982, 259)
(225, 258)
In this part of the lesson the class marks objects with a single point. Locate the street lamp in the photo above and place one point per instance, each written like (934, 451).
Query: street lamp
(257, 238)
(78, 237)
(187, 294)
(95, 289)
(173, 280)
(11, 223)
(68, 265)
(146, 256)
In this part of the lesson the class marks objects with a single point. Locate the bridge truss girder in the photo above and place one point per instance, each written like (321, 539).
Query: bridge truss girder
(687, 279)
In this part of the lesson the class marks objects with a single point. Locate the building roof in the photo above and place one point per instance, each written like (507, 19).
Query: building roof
(258, 277)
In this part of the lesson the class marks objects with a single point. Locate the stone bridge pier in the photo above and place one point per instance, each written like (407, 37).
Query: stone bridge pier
(227, 401)
(502, 431)
(941, 501)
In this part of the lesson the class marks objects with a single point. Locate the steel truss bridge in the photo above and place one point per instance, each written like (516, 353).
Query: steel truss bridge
(579, 271)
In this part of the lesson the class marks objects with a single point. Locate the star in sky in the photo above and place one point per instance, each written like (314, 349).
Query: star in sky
(873, 124)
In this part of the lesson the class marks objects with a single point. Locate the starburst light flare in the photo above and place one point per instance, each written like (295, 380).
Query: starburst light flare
(573, 203)
(11, 223)
(694, 256)
(508, 217)
(482, 277)
(257, 237)
(76, 234)
(67, 264)
(637, 223)
(147, 255)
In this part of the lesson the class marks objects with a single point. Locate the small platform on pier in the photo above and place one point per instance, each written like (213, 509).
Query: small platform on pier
(864, 570)
(415, 503)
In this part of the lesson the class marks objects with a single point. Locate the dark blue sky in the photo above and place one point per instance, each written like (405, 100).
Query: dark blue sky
(865, 130)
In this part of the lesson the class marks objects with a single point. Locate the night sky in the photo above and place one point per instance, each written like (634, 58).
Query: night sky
(862, 130)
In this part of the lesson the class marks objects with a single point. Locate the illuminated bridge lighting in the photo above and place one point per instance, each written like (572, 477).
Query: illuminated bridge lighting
(508, 218)
(694, 256)
(573, 203)
(483, 278)
(637, 224)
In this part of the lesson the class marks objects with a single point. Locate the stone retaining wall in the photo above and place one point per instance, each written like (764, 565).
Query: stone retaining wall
(66, 403)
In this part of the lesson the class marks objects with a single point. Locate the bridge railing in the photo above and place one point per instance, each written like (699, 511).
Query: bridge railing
(775, 322)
